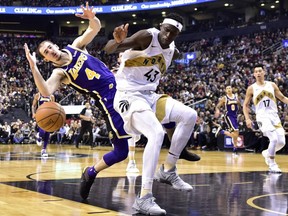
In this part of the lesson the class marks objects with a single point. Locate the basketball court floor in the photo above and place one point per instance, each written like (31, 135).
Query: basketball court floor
(224, 184)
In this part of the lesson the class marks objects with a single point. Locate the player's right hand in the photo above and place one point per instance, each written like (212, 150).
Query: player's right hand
(31, 58)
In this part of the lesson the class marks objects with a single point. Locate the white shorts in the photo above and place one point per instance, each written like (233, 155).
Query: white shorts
(126, 103)
(268, 122)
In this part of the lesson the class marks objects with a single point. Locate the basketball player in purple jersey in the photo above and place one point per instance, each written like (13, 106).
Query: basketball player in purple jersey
(231, 103)
(75, 67)
(42, 135)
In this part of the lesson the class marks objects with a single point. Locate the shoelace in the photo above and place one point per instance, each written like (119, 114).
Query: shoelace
(175, 179)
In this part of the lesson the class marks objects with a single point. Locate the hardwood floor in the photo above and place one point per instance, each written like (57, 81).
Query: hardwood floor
(224, 184)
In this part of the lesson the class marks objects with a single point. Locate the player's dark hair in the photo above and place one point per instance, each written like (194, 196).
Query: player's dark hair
(39, 46)
(259, 65)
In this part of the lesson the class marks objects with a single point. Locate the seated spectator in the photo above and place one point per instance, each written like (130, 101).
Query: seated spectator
(61, 134)
(26, 131)
(15, 126)
(101, 134)
(200, 136)
(18, 137)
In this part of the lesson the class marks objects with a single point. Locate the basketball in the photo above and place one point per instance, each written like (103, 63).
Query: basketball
(50, 116)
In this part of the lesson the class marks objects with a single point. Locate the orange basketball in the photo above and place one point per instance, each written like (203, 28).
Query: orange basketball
(50, 116)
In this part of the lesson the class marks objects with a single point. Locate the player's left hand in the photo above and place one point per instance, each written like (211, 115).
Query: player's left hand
(120, 33)
(87, 12)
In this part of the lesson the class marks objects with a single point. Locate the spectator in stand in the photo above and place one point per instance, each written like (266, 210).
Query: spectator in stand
(201, 134)
(18, 137)
(61, 134)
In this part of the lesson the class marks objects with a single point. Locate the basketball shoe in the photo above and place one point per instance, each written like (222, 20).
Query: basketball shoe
(189, 156)
(146, 205)
(172, 178)
(273, 168)
(131, 167)
(86, 183)
(38, 139)
(44, 153)
(266, 157)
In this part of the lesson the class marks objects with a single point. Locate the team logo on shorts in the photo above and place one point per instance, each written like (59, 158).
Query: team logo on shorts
(124, 105)
(258, 125)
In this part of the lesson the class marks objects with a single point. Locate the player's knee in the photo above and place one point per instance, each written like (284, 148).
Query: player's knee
(121, 156)
(190, 116)
(115, 156)
(281, 142)
(157, 136)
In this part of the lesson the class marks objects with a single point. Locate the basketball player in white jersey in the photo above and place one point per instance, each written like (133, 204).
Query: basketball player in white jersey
(131, 166)
(146, 56)
(264, 94)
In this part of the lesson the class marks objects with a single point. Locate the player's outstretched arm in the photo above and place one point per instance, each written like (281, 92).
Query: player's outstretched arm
(246, 106)
(92, 30)
(138, 41)
(46, 88)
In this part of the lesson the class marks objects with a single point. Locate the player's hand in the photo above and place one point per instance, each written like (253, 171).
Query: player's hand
(31, 58)
(249, 123)
(87, 12)
(120, 33)
(93, 120)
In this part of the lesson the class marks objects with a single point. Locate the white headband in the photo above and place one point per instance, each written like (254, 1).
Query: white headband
(173, 22)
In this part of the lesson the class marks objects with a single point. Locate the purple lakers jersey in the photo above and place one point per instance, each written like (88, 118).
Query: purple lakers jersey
(89, 75)
(231, 105)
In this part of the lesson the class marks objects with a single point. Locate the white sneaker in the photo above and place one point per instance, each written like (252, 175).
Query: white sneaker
(38, 139)
(172, 178)
(44, 153)
(146, 205)
(265, 155)
(131, 167)
(273, 168)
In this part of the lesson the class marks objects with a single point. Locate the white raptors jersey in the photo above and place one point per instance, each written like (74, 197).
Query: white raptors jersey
(142, 70)
(264, 98)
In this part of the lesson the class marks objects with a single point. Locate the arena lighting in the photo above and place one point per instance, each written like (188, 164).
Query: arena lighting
(128, 7)
(285, 43)
(10, 23)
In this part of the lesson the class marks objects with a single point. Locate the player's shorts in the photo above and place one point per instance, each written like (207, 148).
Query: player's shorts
(268, 122)
(126, 103)
(232, 123)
